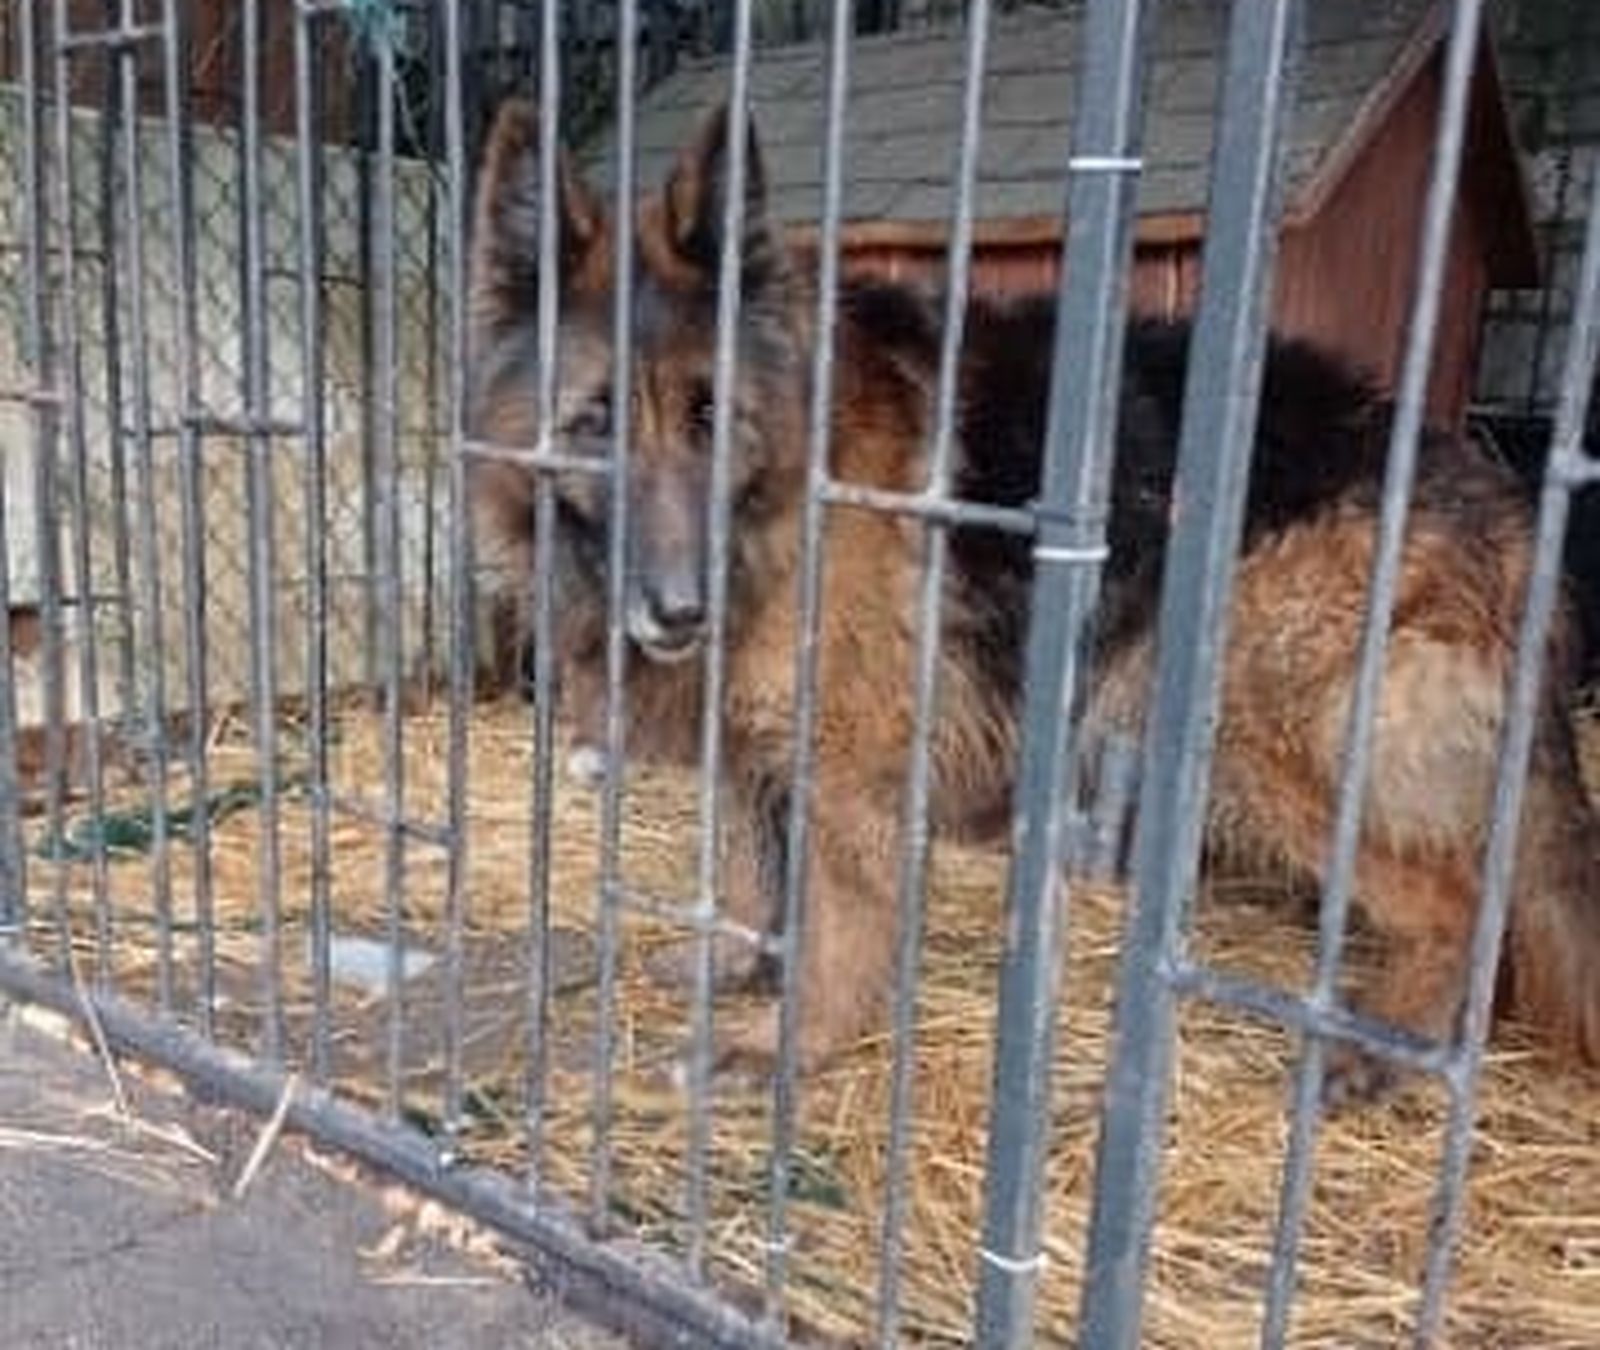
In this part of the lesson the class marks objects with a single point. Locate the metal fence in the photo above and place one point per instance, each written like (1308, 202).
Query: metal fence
(160, 435)
(115, 193)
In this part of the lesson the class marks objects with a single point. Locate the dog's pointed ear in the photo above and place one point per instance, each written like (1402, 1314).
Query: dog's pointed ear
(696, 198)
(505, 249)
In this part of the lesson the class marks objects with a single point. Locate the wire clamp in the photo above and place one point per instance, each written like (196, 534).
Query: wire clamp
(1071, 553)
(1014, 1265)
(1105, 164)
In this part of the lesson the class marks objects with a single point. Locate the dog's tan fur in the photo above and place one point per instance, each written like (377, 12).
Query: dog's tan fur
(1297, 611)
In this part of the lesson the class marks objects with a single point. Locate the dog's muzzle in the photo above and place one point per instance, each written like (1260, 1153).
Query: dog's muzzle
(667, 629)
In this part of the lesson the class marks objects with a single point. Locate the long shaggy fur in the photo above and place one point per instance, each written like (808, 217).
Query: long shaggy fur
(1297, 610)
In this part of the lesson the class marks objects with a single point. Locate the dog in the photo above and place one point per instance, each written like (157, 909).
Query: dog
(1297, 609)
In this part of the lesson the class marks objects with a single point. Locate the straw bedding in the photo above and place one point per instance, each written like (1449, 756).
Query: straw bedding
(1528, 1272)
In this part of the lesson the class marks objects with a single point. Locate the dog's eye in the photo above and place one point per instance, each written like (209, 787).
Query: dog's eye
(702, 408)
(593, 420)
(583, 526)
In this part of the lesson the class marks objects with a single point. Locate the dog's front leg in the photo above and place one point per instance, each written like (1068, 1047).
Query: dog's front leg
(844, 961)
(751, 885)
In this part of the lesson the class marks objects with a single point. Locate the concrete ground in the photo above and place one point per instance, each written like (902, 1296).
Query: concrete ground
(122, 1231)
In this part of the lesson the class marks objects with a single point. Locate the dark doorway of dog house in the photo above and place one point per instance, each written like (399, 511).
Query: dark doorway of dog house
(287, 802)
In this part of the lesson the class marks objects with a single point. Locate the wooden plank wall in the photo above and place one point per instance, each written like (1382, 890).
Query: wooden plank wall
(1345, 275)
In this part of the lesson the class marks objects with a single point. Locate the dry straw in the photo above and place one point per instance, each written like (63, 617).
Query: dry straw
(1529, 1267)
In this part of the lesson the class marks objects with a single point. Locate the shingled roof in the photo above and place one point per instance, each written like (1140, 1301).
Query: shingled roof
(905, 106)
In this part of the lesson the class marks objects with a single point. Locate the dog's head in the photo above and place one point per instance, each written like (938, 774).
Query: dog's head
(679, 238)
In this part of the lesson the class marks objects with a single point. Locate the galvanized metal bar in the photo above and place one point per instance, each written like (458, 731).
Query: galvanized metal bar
(1221, 401)
(729, 276)
(31, 397)
(390, 630)
(685, 915)
(116, 41)
(1340, 876)
(912, 897)
(241, 427)
(179, 147)
(371, 548)
(1578, 471)
(610, 884)
(1101, 830)
(1085, 374)
(152, 645)
(807, 651)
(78, 520)
(255, 395)
(378, 814)
(1525, 699)
(540, 458)
(635, 1291)
(434, 434)
(461, 602)
(309, 180)
(14, 908)
(543, 794)
(924, 507)
(1291, 1012)
(111, 345)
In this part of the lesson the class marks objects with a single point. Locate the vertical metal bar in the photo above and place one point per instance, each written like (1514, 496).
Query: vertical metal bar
(616, 590)
(430, 327)
(1085, 373)
(40, 351)
(472, 29)
(548, 320)
(117, 59)
(261, 514)
(309, 181)
(72, 388)
(14, 906)
(365, 233)
(797, 857)
(525, 39)
(391, 639)
(727, 339)
(914, 829)
(1339, 887)
(191, 504)
(153, 645)
(13, 877)
(1221, 400)
(461, 636)
(1526, 691)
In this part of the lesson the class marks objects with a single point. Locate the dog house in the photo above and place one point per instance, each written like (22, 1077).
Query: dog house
(1357, 166)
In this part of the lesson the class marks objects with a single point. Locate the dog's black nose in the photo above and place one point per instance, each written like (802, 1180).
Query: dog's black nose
(667, 615)
(677, 611)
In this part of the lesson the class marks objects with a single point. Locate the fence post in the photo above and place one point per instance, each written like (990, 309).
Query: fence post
(1085, 378)
(1219, 417)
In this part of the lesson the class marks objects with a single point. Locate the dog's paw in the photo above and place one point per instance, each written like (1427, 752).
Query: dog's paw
(586, 766)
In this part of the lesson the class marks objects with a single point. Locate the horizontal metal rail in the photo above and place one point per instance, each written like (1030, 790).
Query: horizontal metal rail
(627, 1286)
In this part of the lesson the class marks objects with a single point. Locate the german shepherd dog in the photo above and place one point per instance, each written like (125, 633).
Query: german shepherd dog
(1297, 609)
